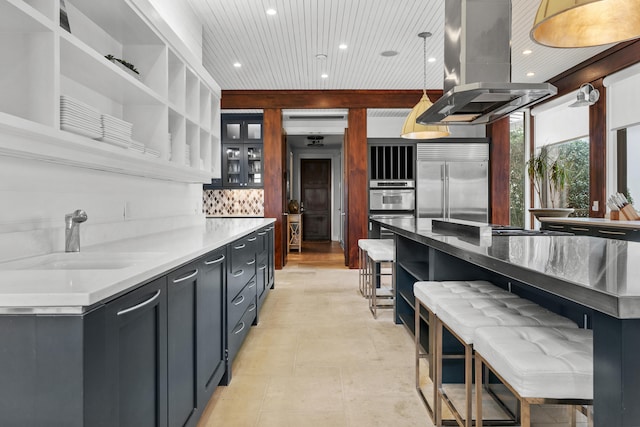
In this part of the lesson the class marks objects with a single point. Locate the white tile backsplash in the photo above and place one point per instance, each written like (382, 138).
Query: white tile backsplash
(35, 196)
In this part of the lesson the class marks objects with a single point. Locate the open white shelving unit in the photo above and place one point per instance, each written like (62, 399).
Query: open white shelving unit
(173, 104)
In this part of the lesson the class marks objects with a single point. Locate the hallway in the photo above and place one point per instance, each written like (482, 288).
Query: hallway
(318, 358)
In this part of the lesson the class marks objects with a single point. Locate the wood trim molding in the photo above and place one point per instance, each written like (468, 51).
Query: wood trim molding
(274, 178)
(356, 185)
(323, 99)
(499, 173)
(610, 61)
(598, 153)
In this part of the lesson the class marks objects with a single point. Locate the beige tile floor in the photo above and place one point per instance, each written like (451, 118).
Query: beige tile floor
(318, 358)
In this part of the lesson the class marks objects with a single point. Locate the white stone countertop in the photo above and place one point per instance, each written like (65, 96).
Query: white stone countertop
(72, 291)
(603, 222)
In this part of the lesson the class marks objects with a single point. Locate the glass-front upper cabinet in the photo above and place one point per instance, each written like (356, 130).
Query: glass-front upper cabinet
(232, 165)
(232, 131)
(254, 165)
(242, 164)
(241, 128)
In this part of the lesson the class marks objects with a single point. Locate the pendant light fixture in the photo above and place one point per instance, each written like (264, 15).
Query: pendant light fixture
(413, 130)
(583, 23)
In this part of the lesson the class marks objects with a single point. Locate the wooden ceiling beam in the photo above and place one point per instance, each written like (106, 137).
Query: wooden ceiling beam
(323, 99)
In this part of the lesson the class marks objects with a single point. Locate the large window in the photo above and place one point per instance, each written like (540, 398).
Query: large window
(575, 156)
(517, 170)
(628, 179)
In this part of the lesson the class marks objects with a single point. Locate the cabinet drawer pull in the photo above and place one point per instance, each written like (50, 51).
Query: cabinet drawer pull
(615, 233)
(242, 246)
(142, 304)
(253, 261)
(262, 267)
(238, 273)
(579, 229)
(262, 233)
(235, 332)
(252, 284)
(187, 277)
(239, 302)
(561, 227)
(252, 239)
(215, 261)
(252, 307)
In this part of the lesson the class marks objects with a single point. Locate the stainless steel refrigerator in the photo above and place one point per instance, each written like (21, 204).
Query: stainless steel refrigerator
(453, 181)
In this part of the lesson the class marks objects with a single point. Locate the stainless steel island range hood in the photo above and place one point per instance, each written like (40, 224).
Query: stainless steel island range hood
(477, 67)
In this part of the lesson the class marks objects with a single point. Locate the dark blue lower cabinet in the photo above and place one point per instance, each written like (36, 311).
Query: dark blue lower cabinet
(136, 345)
(211, 314)
(151, 357)
(182, 341)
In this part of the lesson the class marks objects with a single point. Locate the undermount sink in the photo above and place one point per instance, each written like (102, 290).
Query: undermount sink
(78, 261)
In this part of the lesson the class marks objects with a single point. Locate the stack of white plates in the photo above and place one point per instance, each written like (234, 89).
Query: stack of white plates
(78, 117)
(136, 146)
(152, 152)
(116, 131)
(187, 155)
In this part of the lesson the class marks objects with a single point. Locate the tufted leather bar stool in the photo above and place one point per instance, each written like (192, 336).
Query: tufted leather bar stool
(427, 295)
(363, 246)
(463, 317)
(364, 275)
(539, 365)
(383, 252)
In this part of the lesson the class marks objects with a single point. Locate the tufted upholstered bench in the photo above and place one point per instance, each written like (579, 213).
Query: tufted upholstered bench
(538, 364)
(428, 294)
(380, 252)
(463, 317)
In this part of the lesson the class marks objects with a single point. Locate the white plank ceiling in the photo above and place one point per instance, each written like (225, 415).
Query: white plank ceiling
(279, 51)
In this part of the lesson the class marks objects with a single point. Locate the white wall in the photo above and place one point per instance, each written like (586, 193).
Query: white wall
(36, 195)
(390, 127)
(184, 21)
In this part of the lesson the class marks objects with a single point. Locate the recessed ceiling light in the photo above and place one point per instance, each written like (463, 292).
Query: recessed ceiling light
(531, 74)
(527, 52)
(389, 53)
(432, 59)
(342, 46)
(271, 12)
(237, 64)
(324, 75)
(321, 56)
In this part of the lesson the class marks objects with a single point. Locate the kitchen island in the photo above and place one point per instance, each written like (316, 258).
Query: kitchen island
(598, 227)
(594, 281)
(133, 332)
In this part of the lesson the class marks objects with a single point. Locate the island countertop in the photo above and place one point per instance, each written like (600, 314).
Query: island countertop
(69, 291)
(603, 274)
(598, 222)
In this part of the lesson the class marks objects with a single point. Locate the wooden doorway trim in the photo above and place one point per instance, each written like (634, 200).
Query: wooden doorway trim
(274, 153)
(355, 185)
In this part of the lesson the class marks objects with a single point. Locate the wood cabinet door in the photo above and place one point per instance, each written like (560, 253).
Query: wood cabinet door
(316, 197)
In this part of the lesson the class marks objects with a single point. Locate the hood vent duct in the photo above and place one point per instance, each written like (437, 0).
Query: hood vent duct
(477, 67)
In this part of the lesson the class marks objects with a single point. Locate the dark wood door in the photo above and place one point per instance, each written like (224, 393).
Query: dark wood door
(316, 196)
